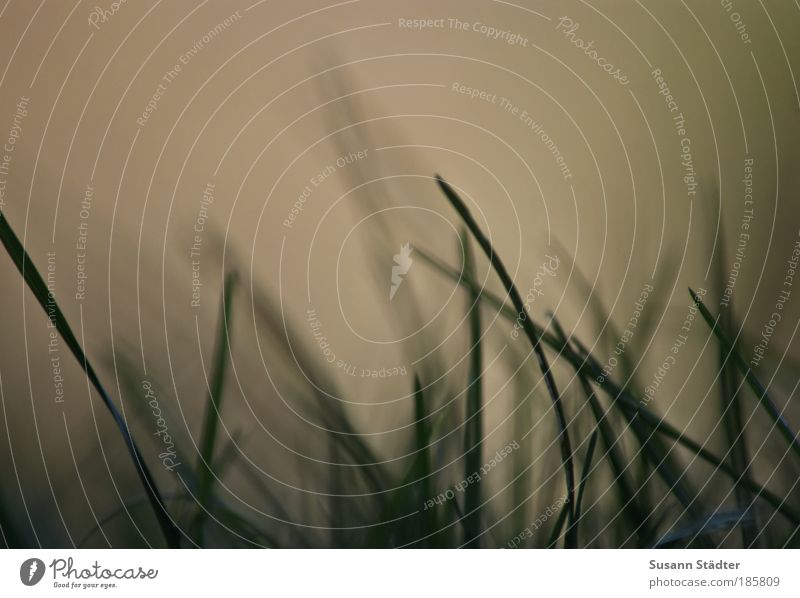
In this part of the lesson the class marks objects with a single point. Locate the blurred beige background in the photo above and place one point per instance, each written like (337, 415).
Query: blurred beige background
(265, 101)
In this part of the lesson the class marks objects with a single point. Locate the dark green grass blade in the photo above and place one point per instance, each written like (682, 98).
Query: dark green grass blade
(422, 463)
(208, 438)
(557, 528)
(756, 386)
(670, 431)
(589, 367)
(654, 452)
(38, 287)
(473, 437)
(416, 488)
(730, 396)
(129, 505)
(630, 500)
(529, 329)
(587, 468)
(731, 406)
(274, 504)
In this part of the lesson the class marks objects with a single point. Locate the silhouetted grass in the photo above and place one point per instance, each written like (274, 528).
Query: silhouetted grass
(758, 389)
(638, 472)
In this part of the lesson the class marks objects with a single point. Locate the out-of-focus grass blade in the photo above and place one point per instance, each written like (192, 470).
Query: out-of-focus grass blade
(253, 535)
(36, 284)
(415, 489)
(473, 428)
(274, 505)
(10, 538)
(756, 386)
(130, 380)
(529, 329)
(694, 530)
(422, 462)
(333, 414)
(631, 507)
(129, 504)
(208, 438)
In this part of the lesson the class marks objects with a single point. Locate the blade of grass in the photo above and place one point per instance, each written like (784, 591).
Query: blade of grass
(658, 456)
(208, 438)
(631, 507)
(528, 328)
(473, 436)
(731, 405)
(557, 528)
(37, 286)
(587, 365)
(587, 468)
(416, 487)
(422, 462)
(750, 378)
(631, 503)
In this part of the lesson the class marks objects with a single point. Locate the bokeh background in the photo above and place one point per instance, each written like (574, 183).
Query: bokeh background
(155, 147)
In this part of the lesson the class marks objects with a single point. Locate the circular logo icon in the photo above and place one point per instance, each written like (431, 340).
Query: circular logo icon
(31, 572)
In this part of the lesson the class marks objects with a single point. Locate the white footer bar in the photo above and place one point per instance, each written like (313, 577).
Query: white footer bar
(403, 574)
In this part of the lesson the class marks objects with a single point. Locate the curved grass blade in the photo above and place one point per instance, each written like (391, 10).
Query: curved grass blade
(761, 393)
(37, 286)
(529, 329)
(631, 506)
(656, 454)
